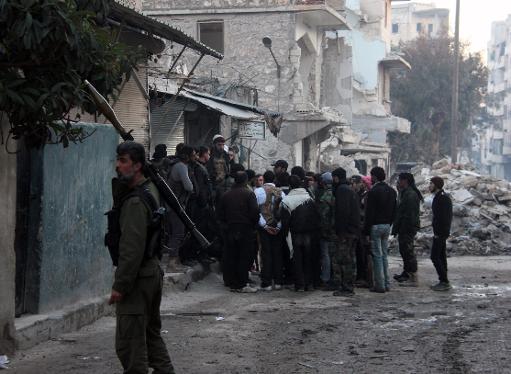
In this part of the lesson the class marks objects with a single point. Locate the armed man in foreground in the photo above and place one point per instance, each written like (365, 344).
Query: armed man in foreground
(137, 287)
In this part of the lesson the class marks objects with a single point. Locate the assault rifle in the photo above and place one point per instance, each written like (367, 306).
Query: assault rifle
(150, 170)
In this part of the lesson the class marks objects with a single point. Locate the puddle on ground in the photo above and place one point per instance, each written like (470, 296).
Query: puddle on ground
(407, 323)
(480, 291)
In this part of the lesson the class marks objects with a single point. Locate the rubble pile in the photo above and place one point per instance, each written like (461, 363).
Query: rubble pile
(481, 210)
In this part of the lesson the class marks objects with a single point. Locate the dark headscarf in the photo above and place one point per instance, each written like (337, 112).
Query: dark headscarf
(411, 182)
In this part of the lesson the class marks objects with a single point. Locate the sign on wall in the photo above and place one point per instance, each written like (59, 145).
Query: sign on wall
(252, 130)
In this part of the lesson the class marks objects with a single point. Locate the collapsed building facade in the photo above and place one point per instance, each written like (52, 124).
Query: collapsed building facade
(314, 75)
(361, 86)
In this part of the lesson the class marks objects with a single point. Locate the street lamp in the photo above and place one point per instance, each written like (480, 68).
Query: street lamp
(267, 43)
(455, 88)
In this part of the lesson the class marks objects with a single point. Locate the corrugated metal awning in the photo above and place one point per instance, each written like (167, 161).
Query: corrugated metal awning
(132, 18)
(235, 104)
(225, 108)
(228, 107)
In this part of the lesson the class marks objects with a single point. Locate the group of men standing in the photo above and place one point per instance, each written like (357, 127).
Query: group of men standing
(327, 231)
(306, 231)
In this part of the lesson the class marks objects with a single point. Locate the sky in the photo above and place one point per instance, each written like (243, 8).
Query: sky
(476, 18)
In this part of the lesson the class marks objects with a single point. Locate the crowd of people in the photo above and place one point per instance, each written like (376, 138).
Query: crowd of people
(298, 229)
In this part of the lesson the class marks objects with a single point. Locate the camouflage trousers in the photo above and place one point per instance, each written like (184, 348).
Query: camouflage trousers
(342, 257)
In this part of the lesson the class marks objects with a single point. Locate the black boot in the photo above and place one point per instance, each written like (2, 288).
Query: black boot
(404, 276)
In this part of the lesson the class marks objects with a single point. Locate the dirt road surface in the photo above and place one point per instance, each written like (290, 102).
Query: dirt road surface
(211, 330)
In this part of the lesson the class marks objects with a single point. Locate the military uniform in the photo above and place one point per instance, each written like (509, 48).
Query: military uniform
(347, 227)
(138, 342)
(328, 241)
(343, 262)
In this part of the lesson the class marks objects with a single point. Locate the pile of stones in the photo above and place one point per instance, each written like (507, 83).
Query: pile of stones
(481, 210)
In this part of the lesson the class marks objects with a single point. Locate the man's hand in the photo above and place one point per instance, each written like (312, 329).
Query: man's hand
(271, 230)
(115, 297)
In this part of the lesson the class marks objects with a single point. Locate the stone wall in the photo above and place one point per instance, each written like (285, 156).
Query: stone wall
(247, 63)
(220, 4)
(336, 84)
(7, 229)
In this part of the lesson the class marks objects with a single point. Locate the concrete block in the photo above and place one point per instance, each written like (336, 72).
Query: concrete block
(181, 281)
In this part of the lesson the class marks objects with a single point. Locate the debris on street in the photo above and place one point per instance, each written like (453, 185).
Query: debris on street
(4, 360)
(481, 210)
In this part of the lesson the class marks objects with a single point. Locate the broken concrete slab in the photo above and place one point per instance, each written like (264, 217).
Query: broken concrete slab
(441, 163)
(462, 196)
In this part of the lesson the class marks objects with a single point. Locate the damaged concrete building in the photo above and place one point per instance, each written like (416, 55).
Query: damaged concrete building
(361, 86)
(318, 68)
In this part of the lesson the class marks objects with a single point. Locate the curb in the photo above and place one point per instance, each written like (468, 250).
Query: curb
(34, 329)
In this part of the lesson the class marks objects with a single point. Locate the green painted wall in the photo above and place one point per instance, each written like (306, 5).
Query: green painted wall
(76, 192)
(7, 230)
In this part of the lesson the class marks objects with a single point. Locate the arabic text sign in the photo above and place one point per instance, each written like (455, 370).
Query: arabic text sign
(252, 130)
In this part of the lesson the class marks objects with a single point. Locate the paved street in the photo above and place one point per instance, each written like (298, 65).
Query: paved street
(210, 330)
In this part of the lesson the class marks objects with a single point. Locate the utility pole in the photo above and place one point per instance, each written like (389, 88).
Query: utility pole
(455, 88)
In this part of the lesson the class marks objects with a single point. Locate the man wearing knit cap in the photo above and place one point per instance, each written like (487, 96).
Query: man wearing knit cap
(442, 218)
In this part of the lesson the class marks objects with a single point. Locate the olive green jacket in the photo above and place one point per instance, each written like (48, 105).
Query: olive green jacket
(134, 220)
(407, 219)
(326, 207)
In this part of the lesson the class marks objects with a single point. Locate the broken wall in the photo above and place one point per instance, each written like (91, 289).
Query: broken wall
(378, 19)
(336, 83)
(7, 230)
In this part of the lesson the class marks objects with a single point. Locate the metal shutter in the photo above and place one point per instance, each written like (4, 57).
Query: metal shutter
(164, 129)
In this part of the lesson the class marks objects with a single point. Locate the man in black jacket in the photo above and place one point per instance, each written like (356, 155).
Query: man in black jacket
(300, 216)
(238, 213)
(380, 213)
(442, 218)
(406, 225)
(347, 228)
